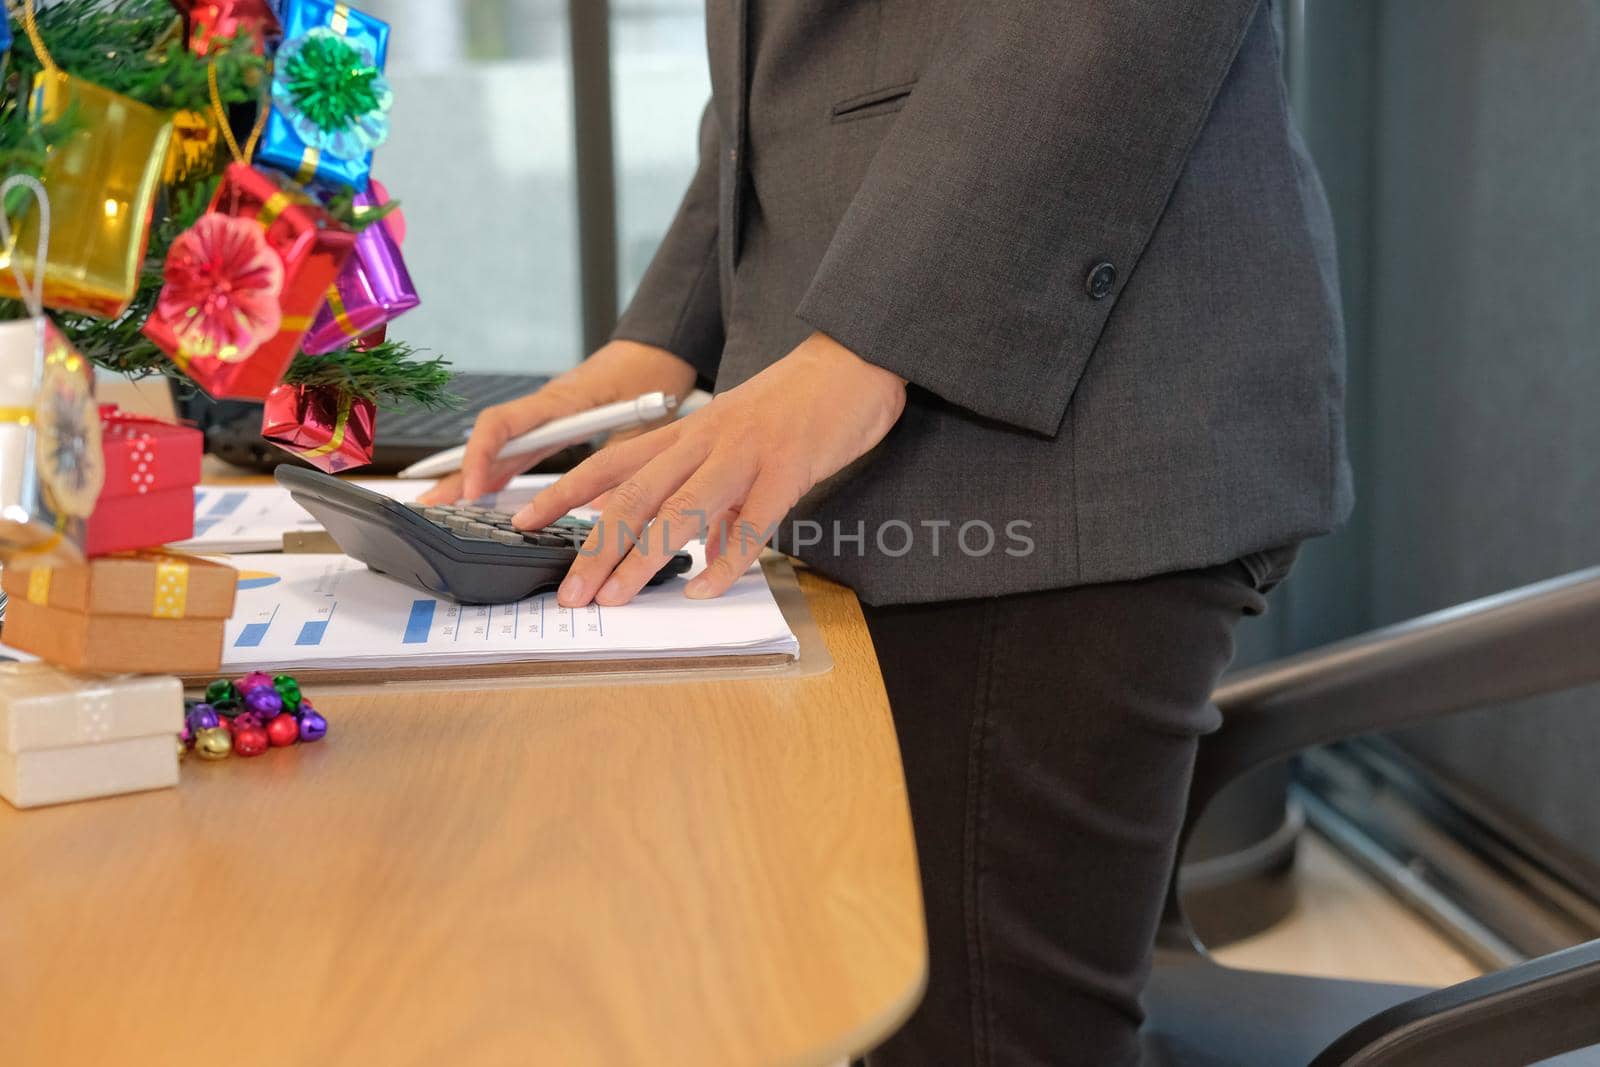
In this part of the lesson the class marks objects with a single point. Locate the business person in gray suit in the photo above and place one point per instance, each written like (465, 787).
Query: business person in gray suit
(1023, 321)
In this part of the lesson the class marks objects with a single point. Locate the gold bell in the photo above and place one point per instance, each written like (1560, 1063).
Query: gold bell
(215, 743)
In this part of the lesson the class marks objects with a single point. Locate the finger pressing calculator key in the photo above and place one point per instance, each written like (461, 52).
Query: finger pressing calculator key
(465, 553)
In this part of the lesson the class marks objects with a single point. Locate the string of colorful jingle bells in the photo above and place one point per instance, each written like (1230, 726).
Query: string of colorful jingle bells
(249, 715)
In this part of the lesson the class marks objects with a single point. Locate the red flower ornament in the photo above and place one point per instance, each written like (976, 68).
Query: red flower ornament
(223, 289)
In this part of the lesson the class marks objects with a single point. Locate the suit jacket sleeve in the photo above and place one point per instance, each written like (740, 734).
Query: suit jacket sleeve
(678, 305)
(1043, 138)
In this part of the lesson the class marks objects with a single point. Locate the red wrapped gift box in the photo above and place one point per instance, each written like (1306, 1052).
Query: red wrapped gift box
(313, 247)
(331, 433)
(228, 18)
(152, 468)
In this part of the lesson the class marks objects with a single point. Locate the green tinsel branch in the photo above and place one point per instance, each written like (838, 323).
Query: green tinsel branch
(341, 206)
(24, 147)
(135, 47)
(388, 372)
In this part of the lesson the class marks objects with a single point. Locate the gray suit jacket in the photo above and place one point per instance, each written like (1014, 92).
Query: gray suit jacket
(1086, 232)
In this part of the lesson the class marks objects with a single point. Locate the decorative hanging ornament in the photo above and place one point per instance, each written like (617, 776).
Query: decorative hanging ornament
(102, 181)
(212, 19)
(68, 426)
(223, 287)
(325, 428)
(215, 296)
(51, 465)
(333, 93)
(395, 220)
(330, 99)
(196, 144)
(372, 290)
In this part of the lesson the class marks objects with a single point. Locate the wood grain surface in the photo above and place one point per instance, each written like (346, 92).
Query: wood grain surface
(708, 872)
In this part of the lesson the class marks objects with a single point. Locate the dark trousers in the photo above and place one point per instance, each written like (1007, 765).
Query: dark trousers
(1048, 741)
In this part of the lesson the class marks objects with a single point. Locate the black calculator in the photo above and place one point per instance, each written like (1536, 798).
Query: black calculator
(461, 552)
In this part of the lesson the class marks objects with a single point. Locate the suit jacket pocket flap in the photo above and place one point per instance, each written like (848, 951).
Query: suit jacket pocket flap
(878, 102)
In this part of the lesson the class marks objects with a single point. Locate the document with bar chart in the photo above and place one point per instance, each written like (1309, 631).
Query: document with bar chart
(331, 612)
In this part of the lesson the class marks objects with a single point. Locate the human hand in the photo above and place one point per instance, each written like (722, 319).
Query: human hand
(620, 370)
(735, 468)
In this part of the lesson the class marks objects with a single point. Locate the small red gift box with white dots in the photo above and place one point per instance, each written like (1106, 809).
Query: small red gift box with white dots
(151, 468)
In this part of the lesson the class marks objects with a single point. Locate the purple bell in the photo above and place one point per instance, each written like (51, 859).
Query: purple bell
(264, 701)
(202, 717)
(313, 727)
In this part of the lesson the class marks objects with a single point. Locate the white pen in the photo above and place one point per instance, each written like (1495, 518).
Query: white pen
(692, 403)
(556, 433)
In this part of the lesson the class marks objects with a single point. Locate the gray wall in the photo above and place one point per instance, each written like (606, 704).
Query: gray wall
(1461, 143)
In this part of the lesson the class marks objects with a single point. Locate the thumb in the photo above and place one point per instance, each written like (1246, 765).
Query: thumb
(482, 467)
(491, 430)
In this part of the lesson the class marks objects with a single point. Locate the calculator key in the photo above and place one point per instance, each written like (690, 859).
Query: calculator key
(545, 540)
(436, 514)
(458, 523)
(573, 522)
(505, 537)
(479, 529)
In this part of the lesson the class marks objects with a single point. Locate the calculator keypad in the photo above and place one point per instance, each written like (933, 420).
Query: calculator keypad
(468, 522)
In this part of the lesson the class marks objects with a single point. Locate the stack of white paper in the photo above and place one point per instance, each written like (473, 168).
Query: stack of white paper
(331, 612)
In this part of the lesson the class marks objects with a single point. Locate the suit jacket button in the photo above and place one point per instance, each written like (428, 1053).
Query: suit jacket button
(1102, 279)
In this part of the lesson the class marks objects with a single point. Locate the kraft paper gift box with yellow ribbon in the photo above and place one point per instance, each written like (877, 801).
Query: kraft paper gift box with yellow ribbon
(330, 99)
(66, 736)
(150, 612)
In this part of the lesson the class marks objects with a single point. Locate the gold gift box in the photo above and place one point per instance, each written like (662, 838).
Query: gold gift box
(196, 140)
(102, 183)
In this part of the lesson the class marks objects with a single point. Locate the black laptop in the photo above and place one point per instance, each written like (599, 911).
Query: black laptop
(404, 435)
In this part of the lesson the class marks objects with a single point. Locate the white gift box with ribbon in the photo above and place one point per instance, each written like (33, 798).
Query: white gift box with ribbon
(66, 736)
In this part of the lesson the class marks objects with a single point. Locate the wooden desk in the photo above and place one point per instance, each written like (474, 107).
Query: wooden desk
(708, 873)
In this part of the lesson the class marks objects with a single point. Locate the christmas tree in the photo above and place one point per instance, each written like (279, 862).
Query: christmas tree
(208, 167)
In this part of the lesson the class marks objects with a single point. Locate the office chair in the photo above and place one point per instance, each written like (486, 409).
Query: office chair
(1541, 638)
